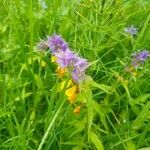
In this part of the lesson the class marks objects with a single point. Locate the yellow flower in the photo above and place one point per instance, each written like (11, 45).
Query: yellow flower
(53, 59)
(72, 93)
(43, 63)
(69, 92)
(77, 110)
(72, 98)
(61, 71)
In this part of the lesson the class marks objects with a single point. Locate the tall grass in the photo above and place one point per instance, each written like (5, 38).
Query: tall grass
(34, 114)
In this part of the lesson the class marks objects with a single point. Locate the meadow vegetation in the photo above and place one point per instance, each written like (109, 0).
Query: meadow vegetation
(112, 109)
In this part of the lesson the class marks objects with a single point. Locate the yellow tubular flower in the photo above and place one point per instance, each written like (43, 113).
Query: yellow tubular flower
(77, 110)
(69, 92)
(61, 71)
(72, 98)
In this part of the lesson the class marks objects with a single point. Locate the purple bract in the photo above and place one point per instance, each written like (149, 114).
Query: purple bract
(57, 44)
(65, 58)
(80, 66)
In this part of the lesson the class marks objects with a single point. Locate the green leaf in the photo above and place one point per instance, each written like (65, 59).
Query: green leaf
(131, 146)
(104, 87)
(96, 141)
(98, 108)
(145, 148)
(141, 117)
(32, 116)
(89, 82)
(24, 95)
(89, 109)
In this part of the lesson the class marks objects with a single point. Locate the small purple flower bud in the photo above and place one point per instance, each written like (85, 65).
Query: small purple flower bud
(140, 57)
(131, 30)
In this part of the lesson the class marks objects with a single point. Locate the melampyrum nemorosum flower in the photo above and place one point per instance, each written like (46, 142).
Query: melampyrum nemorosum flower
(137, 61)
(69, 64)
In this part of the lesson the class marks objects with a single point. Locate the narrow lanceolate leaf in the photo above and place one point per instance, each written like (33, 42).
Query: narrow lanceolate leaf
(145, 148)
(142, 116)
(96, 141)
(50, 125)
(89, 109)
(104, 87)
(98, 108)
(86, 95)
(89, 82)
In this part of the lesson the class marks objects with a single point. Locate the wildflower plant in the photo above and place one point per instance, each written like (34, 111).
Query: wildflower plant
(139, 58)
(71, 71)
(69, 66)
(137, 61)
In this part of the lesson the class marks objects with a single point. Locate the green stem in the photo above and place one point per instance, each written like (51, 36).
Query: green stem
(50, 125)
